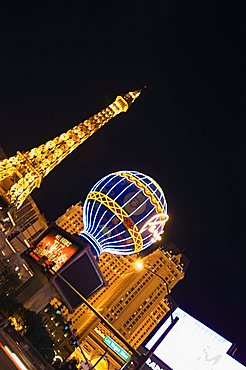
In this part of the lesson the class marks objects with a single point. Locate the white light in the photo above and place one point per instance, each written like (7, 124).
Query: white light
(190, 344)
(58, 358)
(139, 265)
(16, 359)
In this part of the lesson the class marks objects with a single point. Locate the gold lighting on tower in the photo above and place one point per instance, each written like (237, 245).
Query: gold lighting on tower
(22, 173)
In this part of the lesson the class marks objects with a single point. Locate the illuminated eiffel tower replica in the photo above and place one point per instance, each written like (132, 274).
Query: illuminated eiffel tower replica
(22, 173)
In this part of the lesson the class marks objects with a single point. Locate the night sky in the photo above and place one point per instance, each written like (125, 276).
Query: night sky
(63, 61)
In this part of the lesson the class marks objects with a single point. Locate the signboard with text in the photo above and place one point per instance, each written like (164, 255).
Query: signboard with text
(116, 348)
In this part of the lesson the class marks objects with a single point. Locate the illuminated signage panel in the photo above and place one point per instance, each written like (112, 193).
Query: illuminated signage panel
(229, 363)
(116, 348)
(189, 345)
(63, 258)
(53, 250)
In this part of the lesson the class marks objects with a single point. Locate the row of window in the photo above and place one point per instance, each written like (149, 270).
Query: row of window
(147, 325)
(29, 222)
(35, 235)
(22, 211)
(135, 289)
(144, 308)
(145, 329)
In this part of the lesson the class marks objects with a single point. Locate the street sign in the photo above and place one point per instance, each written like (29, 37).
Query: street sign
(116, 348)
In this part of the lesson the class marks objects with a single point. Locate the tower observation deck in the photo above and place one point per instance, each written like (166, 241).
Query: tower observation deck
(22, 173)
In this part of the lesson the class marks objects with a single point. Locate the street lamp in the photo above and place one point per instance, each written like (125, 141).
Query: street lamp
(102, 318)
(143, 357)
(140, 266)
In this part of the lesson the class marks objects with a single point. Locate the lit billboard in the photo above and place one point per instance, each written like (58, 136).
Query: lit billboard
(189, 345)
(53, 250)
(63, 258)
(229, 363)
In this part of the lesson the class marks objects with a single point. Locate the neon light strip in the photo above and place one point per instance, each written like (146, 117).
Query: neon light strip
(147, 191)
(122, 207)
(11, 218)
(155, 198)
(92, 241)
(109, 221)
(85, 209)
(146, 200)
(92, 206)
(122, 215)
(128, 201)
(145, 217)
(86, 216)
(124, 249)
(126, 225)
(153, 182)
(104, 238)
(115, 242)
(98, 223)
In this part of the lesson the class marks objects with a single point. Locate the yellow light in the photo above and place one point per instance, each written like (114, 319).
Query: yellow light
(10, 246)
(27, 243)
(122, 216)
(139, 265)
(11, 218)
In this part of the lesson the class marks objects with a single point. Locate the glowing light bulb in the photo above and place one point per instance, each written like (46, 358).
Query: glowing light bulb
(139, 265)
(124, 213)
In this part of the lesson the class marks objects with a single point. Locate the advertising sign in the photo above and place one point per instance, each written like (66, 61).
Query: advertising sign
(189, 345)
(64, 259)
(53, 250)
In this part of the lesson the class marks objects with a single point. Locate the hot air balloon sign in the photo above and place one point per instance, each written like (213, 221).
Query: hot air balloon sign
(124, 213)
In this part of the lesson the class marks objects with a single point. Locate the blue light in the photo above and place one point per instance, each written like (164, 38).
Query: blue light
(124, 213)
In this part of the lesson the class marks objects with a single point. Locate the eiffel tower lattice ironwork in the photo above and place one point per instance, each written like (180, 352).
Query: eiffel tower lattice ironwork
(22, 173)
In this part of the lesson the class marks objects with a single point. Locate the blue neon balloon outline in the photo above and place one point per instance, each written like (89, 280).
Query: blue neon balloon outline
(100, 204)
(104, 245)
(140, 190)
(145, 201)
(94, 189)
(125, 230)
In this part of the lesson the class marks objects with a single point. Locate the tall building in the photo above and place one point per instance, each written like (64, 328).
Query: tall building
(72, 219)
(16, 234)
(133, 302)
(28, 222)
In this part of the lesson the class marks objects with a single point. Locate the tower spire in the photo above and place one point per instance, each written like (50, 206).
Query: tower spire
(22, 173)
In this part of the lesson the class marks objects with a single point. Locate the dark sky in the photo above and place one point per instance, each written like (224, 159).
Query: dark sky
(62, 61)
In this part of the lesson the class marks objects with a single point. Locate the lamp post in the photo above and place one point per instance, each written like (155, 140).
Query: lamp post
(102, 318)
(143, 357)
(140, 265)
